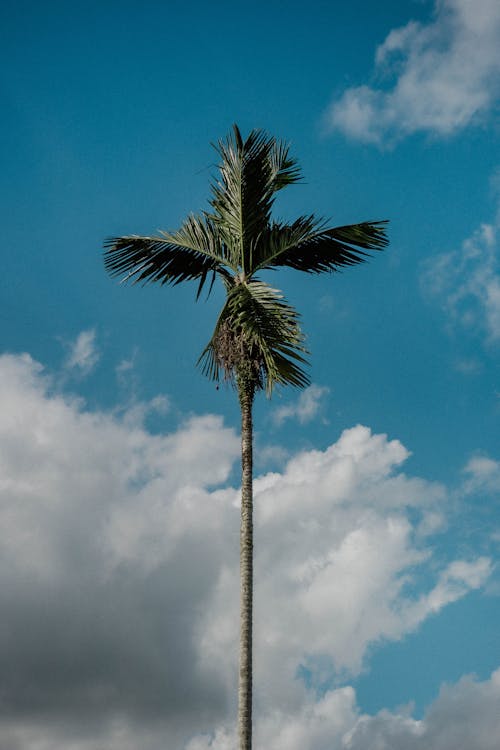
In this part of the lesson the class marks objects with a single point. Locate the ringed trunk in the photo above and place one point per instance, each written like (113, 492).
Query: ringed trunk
(246, 572)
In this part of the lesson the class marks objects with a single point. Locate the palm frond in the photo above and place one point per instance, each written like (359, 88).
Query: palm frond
(307, 245)
(257, 325)
(251, 172)
(193, 252)
(285, 169)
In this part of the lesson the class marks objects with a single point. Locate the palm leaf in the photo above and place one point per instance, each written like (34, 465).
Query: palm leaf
(193, 252)
(251, 172)
(309, 246)
(284, 168)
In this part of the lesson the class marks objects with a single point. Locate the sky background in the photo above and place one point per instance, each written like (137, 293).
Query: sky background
(377, 489)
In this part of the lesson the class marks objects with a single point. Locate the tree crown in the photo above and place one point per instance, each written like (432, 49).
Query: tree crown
(257, 342)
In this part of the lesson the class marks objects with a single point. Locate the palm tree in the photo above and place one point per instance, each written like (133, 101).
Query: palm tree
(257, 342)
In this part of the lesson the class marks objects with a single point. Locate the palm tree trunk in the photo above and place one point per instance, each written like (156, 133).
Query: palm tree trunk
(246, 572)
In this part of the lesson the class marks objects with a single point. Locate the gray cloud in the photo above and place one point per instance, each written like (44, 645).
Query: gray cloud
(87, 632)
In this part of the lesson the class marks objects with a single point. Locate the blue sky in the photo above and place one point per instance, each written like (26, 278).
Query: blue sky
(377, 489)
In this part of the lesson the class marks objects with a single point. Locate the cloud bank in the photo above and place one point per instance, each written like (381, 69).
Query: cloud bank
(119, 579)
(441, 77)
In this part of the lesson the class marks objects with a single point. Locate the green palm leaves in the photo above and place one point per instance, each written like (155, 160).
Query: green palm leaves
(257, 336)
(251, 173)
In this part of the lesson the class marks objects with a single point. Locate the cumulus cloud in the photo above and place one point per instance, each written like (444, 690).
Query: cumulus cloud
(83, 355)
(306, 407)
(466, 282)
(119, 575)
(444, 76)
(332, 522)
(464, 716)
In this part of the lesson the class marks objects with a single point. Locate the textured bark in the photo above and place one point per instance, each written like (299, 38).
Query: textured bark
(246, 573)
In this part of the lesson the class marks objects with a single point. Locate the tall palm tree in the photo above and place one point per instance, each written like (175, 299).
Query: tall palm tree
(257, 342)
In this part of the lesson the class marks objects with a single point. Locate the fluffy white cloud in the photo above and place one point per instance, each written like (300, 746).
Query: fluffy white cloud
(119, 575)
(306, 407)
(466, 282)
(83, 355)
(445, 73)
(464, 716)
(332, 522)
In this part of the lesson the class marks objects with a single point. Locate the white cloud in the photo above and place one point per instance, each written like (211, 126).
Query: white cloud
(464, 716)
(306, 407)
(483, 475)
(119, 576)
(83, 355)
(466, 282)
(445, 76)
